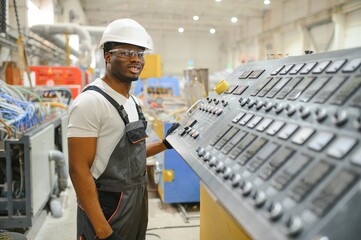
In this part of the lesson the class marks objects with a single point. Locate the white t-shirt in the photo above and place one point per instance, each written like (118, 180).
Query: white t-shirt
(92, 115)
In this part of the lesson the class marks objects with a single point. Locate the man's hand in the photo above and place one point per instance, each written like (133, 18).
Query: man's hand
(170, 130)
(113, 236)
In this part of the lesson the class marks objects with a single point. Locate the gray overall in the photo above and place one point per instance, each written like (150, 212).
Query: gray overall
(122, 187)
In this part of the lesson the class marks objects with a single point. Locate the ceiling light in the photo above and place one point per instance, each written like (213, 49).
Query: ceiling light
(266, 2)
(212, 31)
(180, 29)
(234, 19)
(195, 18)
(218, 0)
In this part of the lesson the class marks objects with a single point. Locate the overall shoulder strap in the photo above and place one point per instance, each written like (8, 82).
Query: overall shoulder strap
(139, 109)
(120, 109)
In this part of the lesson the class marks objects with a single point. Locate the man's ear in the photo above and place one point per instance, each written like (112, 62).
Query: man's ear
(107, 57)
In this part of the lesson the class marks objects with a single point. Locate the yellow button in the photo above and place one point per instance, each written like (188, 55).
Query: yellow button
(221, 87)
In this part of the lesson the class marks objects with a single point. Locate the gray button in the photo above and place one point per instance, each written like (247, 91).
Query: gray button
(356, 157)
(302, 135)
(275, 127)
(320, 140)
(287, 131)
(341, 147)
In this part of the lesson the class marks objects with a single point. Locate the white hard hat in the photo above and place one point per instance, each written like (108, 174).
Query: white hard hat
(126, 31)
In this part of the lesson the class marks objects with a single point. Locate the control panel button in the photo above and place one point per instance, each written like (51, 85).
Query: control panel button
(259, 198)
(307, 69)
(302, 135)
(265, 153)
(246, 188)
(275, 127)
(238, 117)
(275, 163)
(356, 157)
(334, 190)
(294, 226)
(260, 86)
(290, 110)
(245, 119)
(254, 121)
(340, 118)
(234, 140)
(255, 74)
(277, 70)
(335, 66)
(320, 67)
(287, 131)
(341, 146)
(352, 65)
(240, 90)
(278, 87)
(321, 114)
(329, 89)
(310, 180)
(245, 74)
(320, 140)
(289, 87)
(314, 88)
(304, 112)
(275, 211)
(236, 180)
(291, 170)
(219, 167)
(300, 88)
(346, 91)
(243, 144)
(227, 174)
(264, 124)
(251, 150)
(296, 68)
(269, 86)
(287, 68)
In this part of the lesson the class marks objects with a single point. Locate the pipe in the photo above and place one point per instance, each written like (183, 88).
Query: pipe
(60, 168)
(46, 30)
(55, 207)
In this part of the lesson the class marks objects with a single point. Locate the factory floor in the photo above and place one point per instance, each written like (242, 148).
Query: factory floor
(166, 221)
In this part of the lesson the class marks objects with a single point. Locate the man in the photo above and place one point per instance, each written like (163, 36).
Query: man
(106, 138)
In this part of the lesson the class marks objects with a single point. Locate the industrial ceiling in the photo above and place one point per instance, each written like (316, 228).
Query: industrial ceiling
(169, 15)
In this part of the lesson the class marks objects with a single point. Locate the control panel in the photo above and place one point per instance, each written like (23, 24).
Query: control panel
(279, 146)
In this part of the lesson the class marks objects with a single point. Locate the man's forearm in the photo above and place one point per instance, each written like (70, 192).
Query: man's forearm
(88, 199)
(155, 148)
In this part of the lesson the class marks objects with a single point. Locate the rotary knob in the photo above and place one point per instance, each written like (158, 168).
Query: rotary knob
(246, 188)
(290, 110)
(279, 108)
(227, 173)
(219, 167)
(275, 211)
(200, 151)
(207, 156)
(251, 103)
(321, 114)
(224, 102)
(213, 161)
(304, 111)
(259, 198)
(236, 180)
(294, 226)
(340, 118)
(259, 104)
(269, 106)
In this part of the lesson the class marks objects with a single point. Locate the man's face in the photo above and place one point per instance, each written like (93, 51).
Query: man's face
(125, 62)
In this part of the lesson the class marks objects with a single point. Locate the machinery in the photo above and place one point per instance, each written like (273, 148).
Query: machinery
(33, 168)
(278, 147)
